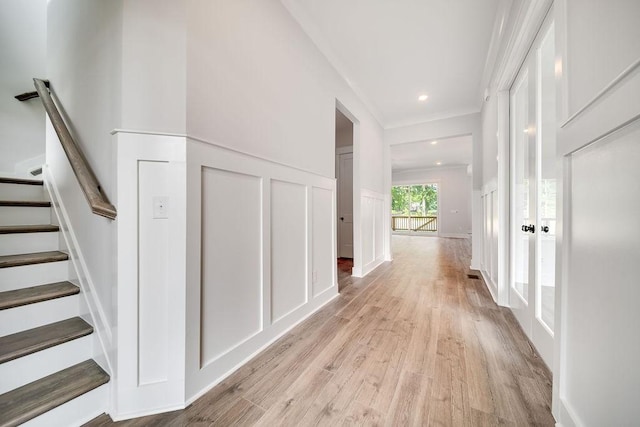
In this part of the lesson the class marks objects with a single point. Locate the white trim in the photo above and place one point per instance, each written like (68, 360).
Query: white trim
(215, 144)
(276, 337)
(490, 285)
(88, 291)
(147, 132)
(527, 23)
(631, 69)
(504, 193)
(357, 208)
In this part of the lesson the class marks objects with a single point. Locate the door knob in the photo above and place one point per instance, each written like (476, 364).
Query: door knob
(341, 218)
(532, 228)
(524, 228)
(545, 228)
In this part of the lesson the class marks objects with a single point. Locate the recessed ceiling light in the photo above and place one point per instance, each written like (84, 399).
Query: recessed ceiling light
(422, 98)
(438, 163)
(434, 142)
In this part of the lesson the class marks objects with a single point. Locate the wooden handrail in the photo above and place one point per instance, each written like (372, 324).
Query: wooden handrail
(91, 188)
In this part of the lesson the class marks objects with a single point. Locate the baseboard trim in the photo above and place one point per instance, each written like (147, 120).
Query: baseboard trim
(272, 340)
(568, 416)
(490, 285)
(368, 268)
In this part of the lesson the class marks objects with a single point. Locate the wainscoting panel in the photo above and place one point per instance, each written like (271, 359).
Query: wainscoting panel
(261, 256)
(288, 236)
(602, 292)
(372, 206)
(378, 228)
(151, 275)
(489, 265)
(231, 287)
(153, 261)
(323, 265)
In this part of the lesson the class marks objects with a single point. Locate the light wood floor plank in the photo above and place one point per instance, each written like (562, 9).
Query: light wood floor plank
(416, 342)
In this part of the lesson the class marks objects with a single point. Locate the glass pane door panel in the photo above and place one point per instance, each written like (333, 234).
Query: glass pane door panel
(521, 170)
(546, 148)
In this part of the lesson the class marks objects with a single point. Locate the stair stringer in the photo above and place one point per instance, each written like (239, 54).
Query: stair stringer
(79, 274)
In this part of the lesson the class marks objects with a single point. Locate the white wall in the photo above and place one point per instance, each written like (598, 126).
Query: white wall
(454, 187)
(83, 64)
(154, 66)
(22, 57)
(256, 83)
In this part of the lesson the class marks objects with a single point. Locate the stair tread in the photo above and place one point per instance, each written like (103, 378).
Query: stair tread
(32, 258)
(36, 228)
(32, 340)
(34, 294)
(6, 180)
(25, 203)
(27, 402)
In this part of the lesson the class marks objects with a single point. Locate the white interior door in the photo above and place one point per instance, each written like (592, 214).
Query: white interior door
(533, 194)
(345, 205)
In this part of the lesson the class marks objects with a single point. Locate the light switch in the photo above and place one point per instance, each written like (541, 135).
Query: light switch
(160, 207)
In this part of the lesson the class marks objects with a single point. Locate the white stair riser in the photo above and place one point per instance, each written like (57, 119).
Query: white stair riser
(22, 192)
(27, 369)
(30, 316)
(23, 243)
(22, 215)
(33, 275)
(76, 412)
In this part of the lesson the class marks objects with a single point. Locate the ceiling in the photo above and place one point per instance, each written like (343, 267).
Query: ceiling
(449, 152)
(391, 52)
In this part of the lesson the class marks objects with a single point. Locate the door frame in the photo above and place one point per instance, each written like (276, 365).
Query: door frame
(357, 234)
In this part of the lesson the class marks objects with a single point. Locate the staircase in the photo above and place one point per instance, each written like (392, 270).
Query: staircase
(47, 374)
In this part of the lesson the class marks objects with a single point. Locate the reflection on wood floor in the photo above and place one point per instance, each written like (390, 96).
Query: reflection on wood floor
(416, 342)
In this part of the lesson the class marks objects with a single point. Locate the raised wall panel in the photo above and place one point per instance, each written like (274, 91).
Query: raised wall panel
(231, 282)
(153, 284)
(378, 228)
(367, 207)
(494, 237)
(322, 237)
(288, 248)
(602, 291)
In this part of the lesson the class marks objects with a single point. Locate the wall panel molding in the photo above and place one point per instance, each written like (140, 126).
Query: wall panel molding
(291, 247)
(151, 275)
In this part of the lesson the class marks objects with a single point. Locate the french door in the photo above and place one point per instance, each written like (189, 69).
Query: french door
(533, 194)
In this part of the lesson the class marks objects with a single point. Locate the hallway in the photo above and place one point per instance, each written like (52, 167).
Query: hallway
(416, 342)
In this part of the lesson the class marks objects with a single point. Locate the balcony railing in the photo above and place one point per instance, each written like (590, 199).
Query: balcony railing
(427, 224)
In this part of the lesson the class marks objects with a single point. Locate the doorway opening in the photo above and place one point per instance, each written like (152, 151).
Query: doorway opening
(344, 188)
(414, 209)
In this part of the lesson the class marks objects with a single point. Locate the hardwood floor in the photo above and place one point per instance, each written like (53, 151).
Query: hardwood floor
(415, 343)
